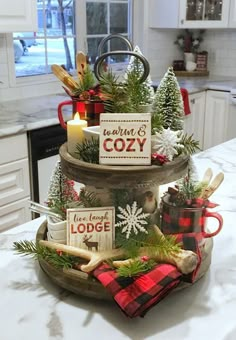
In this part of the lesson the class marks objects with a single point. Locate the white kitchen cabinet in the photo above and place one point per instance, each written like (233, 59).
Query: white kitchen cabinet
(216, 118)
(18, 15)
(189, 13)
(194, 122)
(232, 16)
(14, 182)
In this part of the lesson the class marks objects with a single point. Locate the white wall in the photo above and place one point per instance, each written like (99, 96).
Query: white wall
(162, 51)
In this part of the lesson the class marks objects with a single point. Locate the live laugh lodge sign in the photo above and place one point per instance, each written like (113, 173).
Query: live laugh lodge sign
(91, 228)
(125, 139)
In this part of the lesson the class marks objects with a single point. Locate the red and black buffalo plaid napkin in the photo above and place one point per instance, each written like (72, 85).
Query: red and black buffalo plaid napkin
(136, 295)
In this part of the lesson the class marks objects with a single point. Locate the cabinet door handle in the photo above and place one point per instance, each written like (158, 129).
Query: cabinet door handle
(182, 21)
(192, 101)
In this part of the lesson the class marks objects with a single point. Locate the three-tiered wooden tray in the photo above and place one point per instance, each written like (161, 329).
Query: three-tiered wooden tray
(101, 179)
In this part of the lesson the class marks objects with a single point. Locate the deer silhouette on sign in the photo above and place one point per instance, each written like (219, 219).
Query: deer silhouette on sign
(90, 244)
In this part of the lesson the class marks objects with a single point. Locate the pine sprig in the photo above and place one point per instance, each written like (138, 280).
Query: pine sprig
(89, 199)
(155, 245)
(35, 250)
(157, 123)
(188, 189)
(121, 197)
(161, 246)
(114, 93)
(88, 151)
(86, 83)
(131, 245)
(136, 267)
(190, 145)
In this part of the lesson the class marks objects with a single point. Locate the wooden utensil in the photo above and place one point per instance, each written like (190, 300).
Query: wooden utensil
(81, 64)
(64, 76)
(207, 176)
(211, 188)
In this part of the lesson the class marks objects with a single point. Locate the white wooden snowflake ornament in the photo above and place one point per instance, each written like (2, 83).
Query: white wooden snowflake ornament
(133, 219)
(166, 143)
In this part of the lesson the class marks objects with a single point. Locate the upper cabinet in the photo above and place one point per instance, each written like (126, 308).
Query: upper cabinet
(18, 15)
(203, 13)
(189, 13)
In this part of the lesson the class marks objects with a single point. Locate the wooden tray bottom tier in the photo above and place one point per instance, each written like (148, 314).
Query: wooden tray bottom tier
(81, 283)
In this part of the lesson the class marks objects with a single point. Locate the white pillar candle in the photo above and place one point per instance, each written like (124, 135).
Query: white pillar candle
(75, 133)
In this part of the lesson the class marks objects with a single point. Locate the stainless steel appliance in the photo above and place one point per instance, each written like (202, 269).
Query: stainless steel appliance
(44, 147)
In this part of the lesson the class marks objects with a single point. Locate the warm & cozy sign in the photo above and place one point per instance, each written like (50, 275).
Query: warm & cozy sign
(125, 139)
(91, 228)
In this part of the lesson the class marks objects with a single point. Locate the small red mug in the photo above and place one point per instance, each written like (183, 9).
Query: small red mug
(175, 220)
(88, 110)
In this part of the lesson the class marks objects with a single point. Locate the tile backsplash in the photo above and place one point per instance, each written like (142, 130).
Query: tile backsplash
(220, 44)
(221, 47)
(159, 49)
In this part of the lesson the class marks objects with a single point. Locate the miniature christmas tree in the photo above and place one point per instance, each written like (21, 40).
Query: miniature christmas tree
(168, 109)
(139, 93)
(61, 193)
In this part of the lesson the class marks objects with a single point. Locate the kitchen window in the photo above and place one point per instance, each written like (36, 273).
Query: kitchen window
(68, 26)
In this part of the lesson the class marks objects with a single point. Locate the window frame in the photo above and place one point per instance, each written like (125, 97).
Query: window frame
(81, 45)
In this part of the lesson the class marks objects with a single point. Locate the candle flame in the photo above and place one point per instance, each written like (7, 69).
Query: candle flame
(77, 116)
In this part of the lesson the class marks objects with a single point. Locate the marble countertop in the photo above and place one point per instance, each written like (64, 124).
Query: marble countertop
(32, 307)
(196, 84)
(20, 116)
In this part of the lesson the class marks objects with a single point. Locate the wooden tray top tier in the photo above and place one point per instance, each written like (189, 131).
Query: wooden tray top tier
(113, 176)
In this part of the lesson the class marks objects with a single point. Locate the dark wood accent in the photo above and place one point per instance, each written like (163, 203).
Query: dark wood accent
(191, 73)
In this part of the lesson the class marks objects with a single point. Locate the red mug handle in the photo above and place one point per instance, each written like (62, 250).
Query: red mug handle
(220, 220)
(60, 115)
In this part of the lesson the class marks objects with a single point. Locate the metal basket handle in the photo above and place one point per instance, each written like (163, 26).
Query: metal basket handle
(114, 36)
(99, 61)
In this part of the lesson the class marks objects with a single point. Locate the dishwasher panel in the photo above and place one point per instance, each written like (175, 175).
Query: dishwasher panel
(44, 147)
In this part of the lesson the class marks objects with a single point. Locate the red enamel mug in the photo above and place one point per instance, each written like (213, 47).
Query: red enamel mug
(88, 110)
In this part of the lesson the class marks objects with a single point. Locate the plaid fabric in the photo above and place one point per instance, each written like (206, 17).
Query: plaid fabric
(185, 220)
(190, 242)
(136, 295)
(180, 220)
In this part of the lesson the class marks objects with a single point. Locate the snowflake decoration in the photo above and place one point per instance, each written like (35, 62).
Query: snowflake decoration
(166, 143)
(132, 219)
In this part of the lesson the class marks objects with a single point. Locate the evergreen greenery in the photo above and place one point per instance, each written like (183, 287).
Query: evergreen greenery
(126, 96)
(89, 199)
(121, 197)
(86, 83)
(188, 189)
(154, 245)
(136, 267)
(139, 93)
(168, 103)
(88, 150)
(61, 193)
(157, 122)
(190, 145)
(55, 258)
(114, 93)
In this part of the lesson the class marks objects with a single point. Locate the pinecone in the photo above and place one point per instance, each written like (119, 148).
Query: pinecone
(180, 199)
